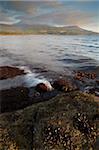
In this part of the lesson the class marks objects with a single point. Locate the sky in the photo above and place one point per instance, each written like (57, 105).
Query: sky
(83, 13)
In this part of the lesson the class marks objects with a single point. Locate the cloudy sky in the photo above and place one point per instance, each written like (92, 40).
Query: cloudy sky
(84, 13)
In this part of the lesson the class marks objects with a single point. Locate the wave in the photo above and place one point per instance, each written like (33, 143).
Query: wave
(86, 45)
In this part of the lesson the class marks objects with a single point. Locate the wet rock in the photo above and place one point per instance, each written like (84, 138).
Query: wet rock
(78, 78)
(58, 84)
(97, 81)
(81, 76)
(89, 89)
(92, 90)
(93, 75)
(43, 87)
(87, 82)
(10, 72)
(64, 85)
(97, 93)
(14, 98)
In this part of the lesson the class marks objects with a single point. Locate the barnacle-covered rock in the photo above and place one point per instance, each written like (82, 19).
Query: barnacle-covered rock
(67, 121)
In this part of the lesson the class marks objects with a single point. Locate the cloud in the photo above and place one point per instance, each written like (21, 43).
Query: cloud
(62, 17)
(60, 12)
(26, 12)
(7, 19)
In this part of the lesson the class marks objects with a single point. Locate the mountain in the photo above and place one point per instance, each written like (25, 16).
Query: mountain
(43, 29)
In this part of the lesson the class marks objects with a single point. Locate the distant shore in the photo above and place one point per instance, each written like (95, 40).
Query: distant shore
(39, 33)
(44, 29)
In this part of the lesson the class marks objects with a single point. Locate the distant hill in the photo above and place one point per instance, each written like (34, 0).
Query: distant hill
(43, 29)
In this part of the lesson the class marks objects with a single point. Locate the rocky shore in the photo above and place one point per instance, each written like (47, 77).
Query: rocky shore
(61, 114)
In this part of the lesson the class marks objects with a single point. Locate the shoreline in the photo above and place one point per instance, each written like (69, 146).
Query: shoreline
(32, 120)
(78, 34)
(19, 79)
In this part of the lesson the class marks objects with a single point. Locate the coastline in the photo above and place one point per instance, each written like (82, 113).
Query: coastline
(16, 79)
(48, 33)
(30, 118)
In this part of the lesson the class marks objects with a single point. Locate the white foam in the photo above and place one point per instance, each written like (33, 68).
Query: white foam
(28, 80)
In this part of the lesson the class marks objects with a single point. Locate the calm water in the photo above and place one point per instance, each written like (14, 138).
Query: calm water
(56, 52)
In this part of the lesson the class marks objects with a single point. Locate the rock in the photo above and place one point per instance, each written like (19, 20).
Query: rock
(42, 87)
(64, 85)
(30, 127)
(97, 81)
(93, 75)
(84, 75)
(89, 89)
(96, 117)
(92, 90)
(97, 93)
(82, 123)
(10, 72)
(14, 98)
(59, 84)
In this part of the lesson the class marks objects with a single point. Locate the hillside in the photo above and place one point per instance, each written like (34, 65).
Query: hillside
(43, 29)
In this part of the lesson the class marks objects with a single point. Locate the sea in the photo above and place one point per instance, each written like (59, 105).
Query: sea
(59, 53)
